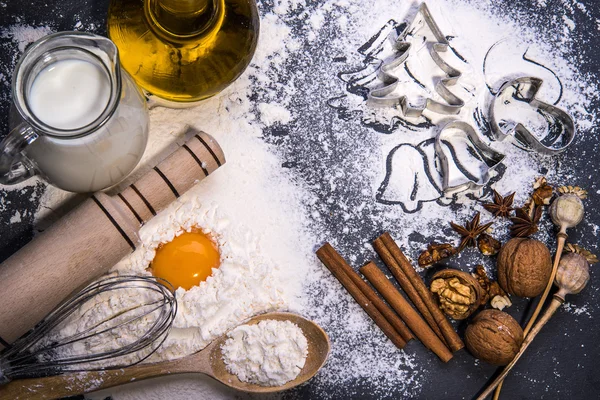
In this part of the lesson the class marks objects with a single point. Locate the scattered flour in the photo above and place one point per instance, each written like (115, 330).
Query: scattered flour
(307, 159)
(271, 113)
(16, 218)
(573, 309)
(24, 34)
(270, 353)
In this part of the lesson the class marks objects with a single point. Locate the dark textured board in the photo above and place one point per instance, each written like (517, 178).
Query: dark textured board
(557, 366)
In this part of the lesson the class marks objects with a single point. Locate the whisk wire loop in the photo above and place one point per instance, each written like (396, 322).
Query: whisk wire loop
(134, 328)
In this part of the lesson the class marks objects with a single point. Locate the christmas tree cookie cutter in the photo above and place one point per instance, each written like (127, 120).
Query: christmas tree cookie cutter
(457, 176)
(383, 96)
(560, 130)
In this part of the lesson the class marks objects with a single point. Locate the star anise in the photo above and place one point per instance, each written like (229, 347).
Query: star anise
(470, 231)
(525, 225)
(502, 206)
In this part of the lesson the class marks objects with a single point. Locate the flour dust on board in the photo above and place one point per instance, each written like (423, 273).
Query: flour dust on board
(413, 168)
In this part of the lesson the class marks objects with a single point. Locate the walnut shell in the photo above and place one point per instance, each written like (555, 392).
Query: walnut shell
(457, 292)
(494, 337)
(488, 245)
(524, 267)
(436, 252)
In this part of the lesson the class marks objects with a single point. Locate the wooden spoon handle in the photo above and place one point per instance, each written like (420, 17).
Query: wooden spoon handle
(556, 303)
(53, 387)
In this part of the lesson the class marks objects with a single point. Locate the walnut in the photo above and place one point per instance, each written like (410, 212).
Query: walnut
(490, 288)
(495, 290)
(488, 245)
(524, 267)
(500, 302)
(434, 253)
(494, 337)
(483, 281)
(529, 206)
(458, 293)
(539, 182)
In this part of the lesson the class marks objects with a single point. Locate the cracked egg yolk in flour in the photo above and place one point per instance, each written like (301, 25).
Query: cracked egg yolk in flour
(187, 260)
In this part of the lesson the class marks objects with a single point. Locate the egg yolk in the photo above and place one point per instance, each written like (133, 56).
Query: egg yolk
(187, 260)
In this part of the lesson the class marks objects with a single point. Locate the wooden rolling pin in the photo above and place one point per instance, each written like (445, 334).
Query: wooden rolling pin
(88, 241)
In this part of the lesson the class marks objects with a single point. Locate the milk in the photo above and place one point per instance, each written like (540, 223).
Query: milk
(69, 94)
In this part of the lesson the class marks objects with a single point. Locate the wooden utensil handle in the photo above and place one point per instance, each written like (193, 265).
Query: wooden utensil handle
(87, 242)
(54, 387)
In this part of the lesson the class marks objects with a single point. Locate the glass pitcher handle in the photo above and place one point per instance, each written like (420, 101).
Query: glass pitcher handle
(14, 166)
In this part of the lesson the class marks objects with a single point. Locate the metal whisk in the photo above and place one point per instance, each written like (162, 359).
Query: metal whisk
(112, 323)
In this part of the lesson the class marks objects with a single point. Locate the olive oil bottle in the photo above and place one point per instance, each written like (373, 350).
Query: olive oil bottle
(184, 51)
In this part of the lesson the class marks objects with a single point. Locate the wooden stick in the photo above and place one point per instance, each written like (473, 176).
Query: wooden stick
(333, 261)
(414, 321)
(562, 238)
(556, 303)
(438, 319)
(559, 249)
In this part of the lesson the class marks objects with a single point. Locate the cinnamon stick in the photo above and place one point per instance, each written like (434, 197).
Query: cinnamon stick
(406, 285)
(406, 269)
(333, 261)
(414, 321)
(374, 298)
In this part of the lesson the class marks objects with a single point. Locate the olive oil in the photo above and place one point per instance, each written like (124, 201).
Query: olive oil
(184, 51)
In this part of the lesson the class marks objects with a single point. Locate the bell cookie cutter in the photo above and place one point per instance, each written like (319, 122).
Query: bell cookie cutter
(524, 89)
(460, 178)
(381, 96)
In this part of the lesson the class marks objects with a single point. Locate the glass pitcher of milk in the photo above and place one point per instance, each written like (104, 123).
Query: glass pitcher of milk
(82, 123)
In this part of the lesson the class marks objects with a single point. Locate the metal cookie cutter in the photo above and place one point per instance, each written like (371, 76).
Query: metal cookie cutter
(382, 96)
(457, 176)
(559, 126)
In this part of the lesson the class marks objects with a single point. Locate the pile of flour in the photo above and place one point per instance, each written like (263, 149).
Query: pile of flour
(270, 353)
(245, 284)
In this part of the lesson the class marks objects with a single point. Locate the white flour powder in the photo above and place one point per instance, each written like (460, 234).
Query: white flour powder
(298, 175)
(270, 353)
(24, 35)
(245, 284)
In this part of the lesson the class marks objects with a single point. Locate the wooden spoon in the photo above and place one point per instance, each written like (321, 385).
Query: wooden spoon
(208, 361)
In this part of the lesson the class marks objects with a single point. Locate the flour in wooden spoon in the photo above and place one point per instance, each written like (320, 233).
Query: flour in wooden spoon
(270, 353)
